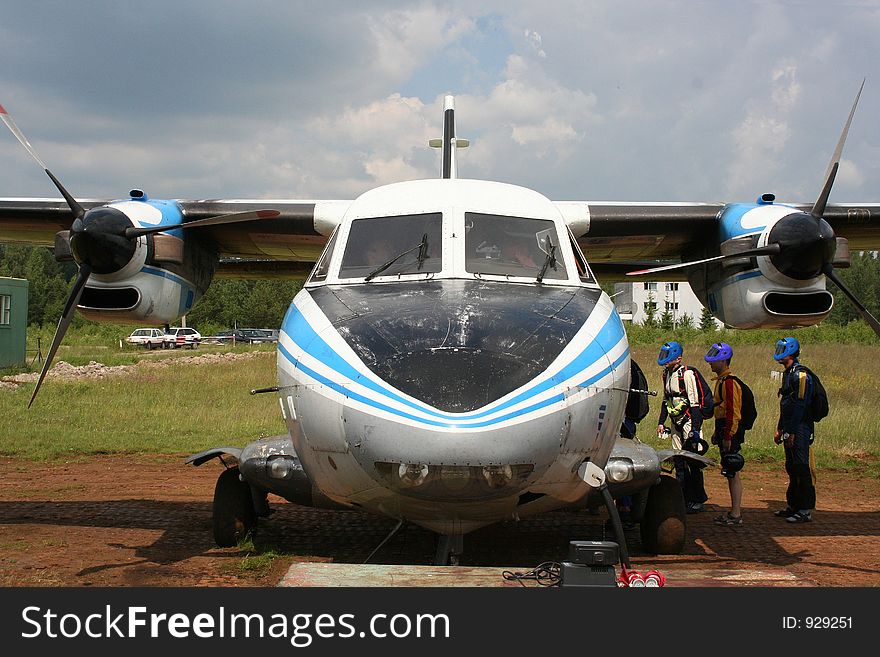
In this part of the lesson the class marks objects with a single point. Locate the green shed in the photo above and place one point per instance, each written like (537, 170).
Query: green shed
(13, 321)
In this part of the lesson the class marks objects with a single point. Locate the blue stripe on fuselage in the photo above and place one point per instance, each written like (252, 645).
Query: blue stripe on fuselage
(303, 334)
(338, 387)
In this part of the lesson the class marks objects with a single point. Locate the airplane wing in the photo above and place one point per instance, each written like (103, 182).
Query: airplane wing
(622, 237)
(298, 233)
(625, 233)
(616, 237)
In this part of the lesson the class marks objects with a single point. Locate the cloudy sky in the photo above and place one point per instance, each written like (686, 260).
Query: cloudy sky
(642, 100)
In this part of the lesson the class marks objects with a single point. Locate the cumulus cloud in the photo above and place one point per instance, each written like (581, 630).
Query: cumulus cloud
(405, 38)
(849, 176)
(536, 42)
(761, 138)
(388, 134)
(525, 118)
(549, 130)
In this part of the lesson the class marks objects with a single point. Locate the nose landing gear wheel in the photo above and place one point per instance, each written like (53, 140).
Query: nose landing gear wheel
(448, 549)
(664, 523)
(233, 512)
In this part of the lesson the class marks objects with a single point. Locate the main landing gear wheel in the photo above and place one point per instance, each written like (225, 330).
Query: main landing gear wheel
(664, 523)
(234, 516)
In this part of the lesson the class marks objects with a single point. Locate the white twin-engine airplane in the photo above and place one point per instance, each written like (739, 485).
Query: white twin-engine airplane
(451, 359)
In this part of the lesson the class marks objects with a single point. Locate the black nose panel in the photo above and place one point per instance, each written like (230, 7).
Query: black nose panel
(455, 380)
(456, 345)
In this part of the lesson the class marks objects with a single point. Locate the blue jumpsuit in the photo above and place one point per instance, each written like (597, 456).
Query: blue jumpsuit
(795, 419)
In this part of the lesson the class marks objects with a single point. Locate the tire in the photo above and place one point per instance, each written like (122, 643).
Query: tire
(233, 511)
(664, 525)
(149, 346)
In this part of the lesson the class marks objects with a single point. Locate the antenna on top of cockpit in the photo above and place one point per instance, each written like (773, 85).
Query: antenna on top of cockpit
(449, 143)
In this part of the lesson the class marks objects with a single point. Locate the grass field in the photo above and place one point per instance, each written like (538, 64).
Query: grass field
(184, 409)
(173, 409)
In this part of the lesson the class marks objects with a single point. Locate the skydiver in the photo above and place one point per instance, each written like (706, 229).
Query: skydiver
(682, 397)
(795, 431)
(729, 431)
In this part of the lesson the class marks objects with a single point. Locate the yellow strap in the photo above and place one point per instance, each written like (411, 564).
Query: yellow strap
(802, 384)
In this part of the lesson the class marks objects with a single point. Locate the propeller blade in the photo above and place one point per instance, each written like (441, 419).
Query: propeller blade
(829, 272)
(235, 217)
(819, 207)
(63, 323)
(770, 249)
(77, 209)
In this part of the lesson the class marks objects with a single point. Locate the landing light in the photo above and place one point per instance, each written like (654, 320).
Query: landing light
(619, 470)
(497, 476)
(436, 481)
(412, 474)
(280, 467)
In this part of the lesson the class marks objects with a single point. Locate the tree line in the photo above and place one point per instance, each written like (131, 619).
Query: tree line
(262, 303)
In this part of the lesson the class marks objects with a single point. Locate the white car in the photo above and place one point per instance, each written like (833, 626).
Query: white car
(178, 336)
(147, 337)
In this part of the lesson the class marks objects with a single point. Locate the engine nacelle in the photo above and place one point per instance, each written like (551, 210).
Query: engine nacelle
(165, 276)
(750, 300)
(751, 292)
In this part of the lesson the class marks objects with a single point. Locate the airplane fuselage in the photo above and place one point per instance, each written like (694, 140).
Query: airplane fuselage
(455, 391)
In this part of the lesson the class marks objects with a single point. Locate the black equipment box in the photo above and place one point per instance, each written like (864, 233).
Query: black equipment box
(593, 553)
(574, 574)
(591, 563)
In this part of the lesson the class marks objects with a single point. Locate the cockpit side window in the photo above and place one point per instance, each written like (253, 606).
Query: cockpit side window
(412, 242)
(512, 246)
(323, 264)
(583, 268)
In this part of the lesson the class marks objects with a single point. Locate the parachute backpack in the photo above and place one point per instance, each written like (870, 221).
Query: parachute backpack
(636, 402)
(749, 412)
(819, 399)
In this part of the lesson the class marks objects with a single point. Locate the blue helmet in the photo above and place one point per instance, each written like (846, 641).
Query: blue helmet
(718, 351)
(669, 352)
(787, 347)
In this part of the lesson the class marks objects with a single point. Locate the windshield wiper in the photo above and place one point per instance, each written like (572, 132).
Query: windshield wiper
(421, 246)
(423, 250)
(549, 260)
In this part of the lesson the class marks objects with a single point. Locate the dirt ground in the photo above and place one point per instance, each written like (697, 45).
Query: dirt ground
(146, 521)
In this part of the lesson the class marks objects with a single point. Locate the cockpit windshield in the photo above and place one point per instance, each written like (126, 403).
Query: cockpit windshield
(512, 246)
(392, 246)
